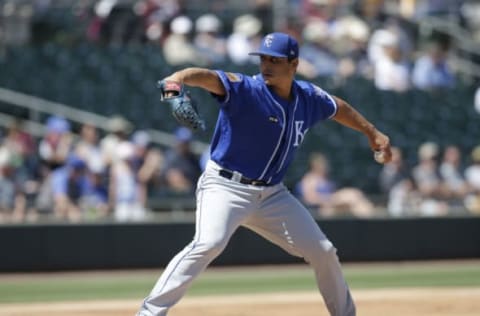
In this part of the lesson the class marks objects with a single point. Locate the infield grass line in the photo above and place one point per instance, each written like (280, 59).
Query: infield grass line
(76, 286)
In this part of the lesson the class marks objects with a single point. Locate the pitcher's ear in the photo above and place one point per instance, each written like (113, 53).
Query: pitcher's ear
(294, 62)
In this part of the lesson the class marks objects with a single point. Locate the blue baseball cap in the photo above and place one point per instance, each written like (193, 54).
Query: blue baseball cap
(57, 124)
(278, 45)
(76, 163)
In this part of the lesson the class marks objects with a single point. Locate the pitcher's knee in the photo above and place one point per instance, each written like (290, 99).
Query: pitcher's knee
(323, 250)
(210, 248)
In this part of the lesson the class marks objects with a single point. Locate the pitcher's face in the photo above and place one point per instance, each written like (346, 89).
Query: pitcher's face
(277, 70)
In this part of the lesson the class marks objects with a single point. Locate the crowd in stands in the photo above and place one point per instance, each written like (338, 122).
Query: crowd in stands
(76, 177)
(377, 39)
(438, 184)
(71, 177)
(316, 189)
(338, 38)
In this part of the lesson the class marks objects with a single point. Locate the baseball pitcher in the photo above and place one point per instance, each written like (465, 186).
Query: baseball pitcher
(262, 121)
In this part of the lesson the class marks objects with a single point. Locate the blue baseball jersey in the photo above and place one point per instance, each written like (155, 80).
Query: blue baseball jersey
(257, 132)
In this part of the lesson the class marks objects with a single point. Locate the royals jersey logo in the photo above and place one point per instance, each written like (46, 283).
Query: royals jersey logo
(299, 133)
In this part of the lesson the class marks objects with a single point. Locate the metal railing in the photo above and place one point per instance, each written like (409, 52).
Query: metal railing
(37, 105)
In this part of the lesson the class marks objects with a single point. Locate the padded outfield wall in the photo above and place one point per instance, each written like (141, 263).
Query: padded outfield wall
(115, 246)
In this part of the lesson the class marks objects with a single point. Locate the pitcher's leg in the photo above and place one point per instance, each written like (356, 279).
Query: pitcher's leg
(176, 279)
(330, 280)
(216, 221)
(287, 223)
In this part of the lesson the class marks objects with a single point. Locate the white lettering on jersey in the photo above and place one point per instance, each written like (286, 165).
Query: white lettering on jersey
(299, 134)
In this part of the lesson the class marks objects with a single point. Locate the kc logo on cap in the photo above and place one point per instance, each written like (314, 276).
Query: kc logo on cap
(278, 45)
(269, 40)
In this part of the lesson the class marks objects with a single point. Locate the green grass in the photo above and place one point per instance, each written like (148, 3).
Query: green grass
(137, 284)
(412, 275)
(58, 288)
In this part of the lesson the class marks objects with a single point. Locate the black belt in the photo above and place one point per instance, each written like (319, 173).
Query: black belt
(229, 175)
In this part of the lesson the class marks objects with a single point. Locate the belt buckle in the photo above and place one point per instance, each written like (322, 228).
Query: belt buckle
(236, 176)
(257, 183)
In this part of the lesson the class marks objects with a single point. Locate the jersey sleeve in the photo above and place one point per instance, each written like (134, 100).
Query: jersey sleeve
(237, 87)
(323, 104)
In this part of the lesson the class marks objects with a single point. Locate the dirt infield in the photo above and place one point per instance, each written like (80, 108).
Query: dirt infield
(391, 302)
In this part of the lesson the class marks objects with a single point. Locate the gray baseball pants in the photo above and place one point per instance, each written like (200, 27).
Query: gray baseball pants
(274, 213)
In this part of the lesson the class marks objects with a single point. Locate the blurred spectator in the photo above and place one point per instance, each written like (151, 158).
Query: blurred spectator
(316, 58)
(178, 48)
(7, 184)
(69, 184)
(470, 10)
(181, 170)
(208, 41)
(351, 36)
(394, 172)
(244, 39)
(147, 163)
(317, 190)
(118, 129)
(156, 14)
(404, 199)
(96, 16)
(22, 144)
(406, 37)
(427, 179)
(23, 150)
(94, 202)
(57, 143)
(472, 176)
(119, 22)
(54, 150)
(103, 24)
(318, 10)
(43, 200)
(450, 171)
(124, 189)
(372, 12)
(431, 70)
(19, 171)
(390, 70)
(16, 18)
(87, 146)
